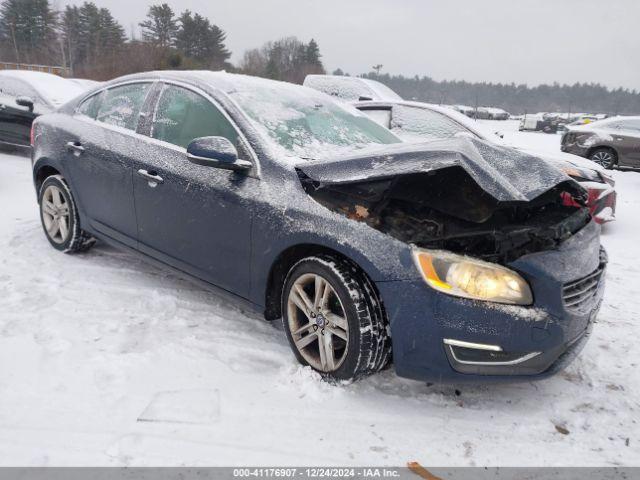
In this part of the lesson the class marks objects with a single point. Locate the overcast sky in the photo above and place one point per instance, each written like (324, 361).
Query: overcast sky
(522, 41)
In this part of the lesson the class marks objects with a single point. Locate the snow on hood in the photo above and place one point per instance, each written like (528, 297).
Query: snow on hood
(506, 174)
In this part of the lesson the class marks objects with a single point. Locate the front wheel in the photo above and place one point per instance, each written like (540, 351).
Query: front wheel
(604, 157)
(333, 320)
(59, 217)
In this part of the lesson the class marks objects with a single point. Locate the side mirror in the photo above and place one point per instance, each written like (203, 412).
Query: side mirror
(25, 102)
(217, 152)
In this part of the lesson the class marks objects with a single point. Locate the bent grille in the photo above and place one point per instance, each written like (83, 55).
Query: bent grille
(577, 294)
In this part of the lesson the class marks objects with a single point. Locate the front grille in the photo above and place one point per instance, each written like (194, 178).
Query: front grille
(579, 293)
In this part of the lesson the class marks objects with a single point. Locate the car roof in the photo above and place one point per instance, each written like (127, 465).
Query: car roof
(52, 88)
(447, 111)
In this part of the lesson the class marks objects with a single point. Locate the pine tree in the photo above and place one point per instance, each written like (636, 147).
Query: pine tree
(70, 29)
(161, 27)
(29, 28)
(312, 54)
(199, 40)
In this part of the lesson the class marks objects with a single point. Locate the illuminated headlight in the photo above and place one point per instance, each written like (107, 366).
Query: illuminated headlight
(470, 278)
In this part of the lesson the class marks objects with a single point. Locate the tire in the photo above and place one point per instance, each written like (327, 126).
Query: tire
(367, 346)
(59, 217)
(605, 157)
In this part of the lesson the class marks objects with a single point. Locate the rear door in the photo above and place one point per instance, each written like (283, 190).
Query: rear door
(102, 148)
(628, 142)
(195, 218)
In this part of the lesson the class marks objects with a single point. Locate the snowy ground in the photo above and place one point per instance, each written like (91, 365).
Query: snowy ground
(107, 361)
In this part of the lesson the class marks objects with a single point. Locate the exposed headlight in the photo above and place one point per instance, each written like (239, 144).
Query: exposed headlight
(470, 278)
(582, 174)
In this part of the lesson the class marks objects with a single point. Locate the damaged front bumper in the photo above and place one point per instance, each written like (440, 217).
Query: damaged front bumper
(437, 337)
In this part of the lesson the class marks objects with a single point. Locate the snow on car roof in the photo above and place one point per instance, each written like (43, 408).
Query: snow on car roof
(52, 88)
(350, 88)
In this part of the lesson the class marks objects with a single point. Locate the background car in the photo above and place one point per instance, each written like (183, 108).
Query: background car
(350, 89)
(308, 211)
(611, 142)
(493, 113)
(417, 122)
(24, 95)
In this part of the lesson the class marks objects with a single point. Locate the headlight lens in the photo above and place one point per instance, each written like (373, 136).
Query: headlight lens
(470, 278)
(582, 174)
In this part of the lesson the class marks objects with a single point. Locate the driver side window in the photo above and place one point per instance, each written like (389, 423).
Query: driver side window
(183, 115)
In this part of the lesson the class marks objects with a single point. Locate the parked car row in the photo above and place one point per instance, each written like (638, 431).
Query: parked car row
(377, 230)
(556, 122)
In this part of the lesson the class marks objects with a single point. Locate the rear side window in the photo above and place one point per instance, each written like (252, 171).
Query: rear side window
(91, 106)
(380, 116)
(183, 115)
(423, 123)
(630, 125)
(121, 106)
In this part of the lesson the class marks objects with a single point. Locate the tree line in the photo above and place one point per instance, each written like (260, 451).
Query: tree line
(90, 42)
(515, 98)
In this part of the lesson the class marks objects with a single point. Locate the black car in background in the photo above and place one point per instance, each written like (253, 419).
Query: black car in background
(24, 95)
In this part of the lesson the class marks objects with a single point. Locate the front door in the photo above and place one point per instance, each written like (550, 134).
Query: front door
(196, 218)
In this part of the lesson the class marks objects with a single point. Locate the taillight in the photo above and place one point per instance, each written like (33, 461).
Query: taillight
(33, 135)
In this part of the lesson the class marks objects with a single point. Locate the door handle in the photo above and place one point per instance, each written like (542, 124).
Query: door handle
(76, 148)
(154, 180)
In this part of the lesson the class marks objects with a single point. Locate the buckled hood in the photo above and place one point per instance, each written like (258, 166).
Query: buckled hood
(506, 174)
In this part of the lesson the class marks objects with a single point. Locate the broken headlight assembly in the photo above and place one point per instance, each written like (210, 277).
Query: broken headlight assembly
(582, 174)
(466, 277)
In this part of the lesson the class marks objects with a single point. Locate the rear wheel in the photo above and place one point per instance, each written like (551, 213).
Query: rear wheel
(333, 319)
(59, 217)
(604, 157)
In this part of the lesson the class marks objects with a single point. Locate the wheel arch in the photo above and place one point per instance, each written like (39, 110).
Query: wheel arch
(283, 263)
(593, 149)
(42, 170)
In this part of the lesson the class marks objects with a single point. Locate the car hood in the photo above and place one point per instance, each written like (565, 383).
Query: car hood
(506, 174)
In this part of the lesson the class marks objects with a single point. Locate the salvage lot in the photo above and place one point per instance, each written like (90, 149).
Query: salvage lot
(105, 360)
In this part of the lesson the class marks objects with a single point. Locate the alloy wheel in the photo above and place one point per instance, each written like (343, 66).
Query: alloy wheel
(603, 158)
(318, 322)
(55, 214)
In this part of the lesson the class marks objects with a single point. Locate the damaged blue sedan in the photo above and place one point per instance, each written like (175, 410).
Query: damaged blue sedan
(454, 260)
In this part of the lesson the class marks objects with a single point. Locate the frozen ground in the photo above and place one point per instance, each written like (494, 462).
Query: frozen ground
(105, 360)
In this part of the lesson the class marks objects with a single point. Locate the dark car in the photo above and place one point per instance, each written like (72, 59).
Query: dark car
(443, 254)
(24, 95)
(419, 122)
(611, 142)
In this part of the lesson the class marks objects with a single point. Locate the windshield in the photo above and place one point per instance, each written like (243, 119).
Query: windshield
(304, 123)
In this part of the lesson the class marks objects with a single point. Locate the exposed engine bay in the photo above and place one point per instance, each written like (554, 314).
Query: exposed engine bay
(447, 209)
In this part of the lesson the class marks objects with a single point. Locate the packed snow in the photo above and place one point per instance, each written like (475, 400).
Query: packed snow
(105, 360)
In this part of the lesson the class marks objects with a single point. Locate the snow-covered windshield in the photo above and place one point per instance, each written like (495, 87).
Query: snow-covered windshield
(307, 124)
